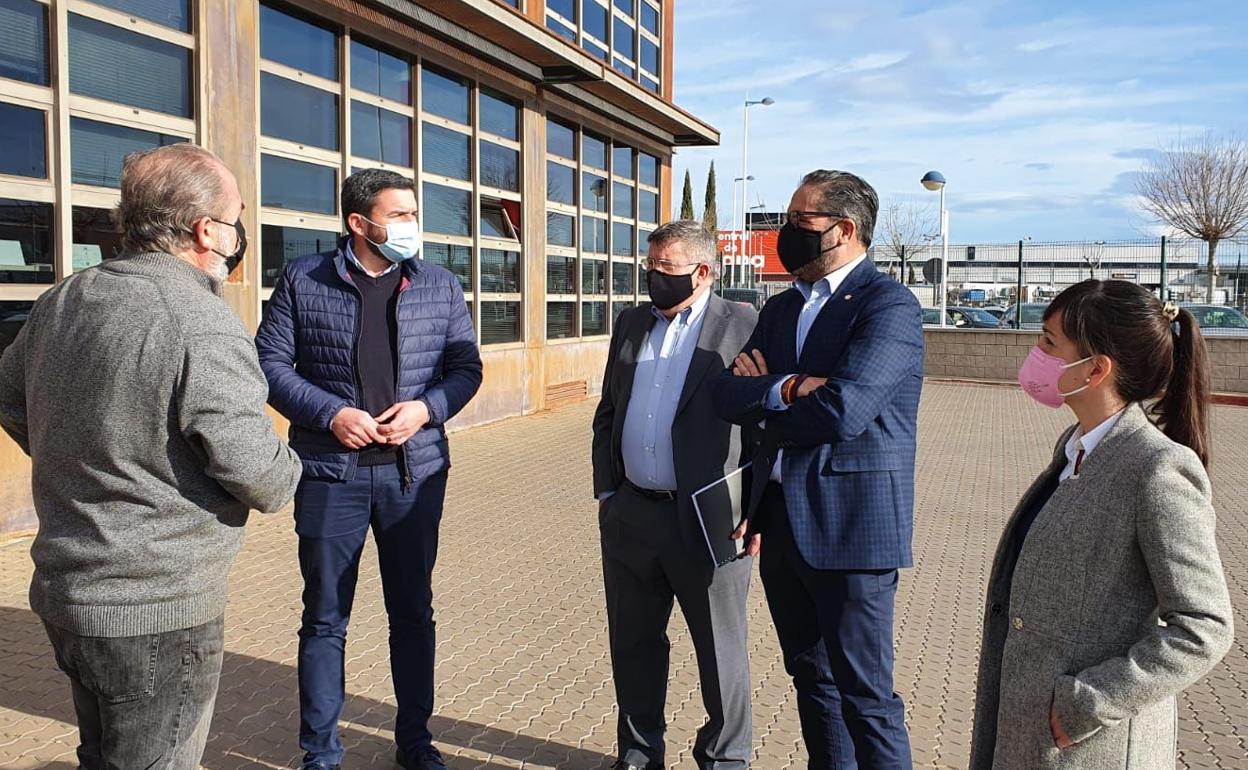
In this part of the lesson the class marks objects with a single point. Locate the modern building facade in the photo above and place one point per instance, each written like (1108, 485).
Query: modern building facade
(540, 133)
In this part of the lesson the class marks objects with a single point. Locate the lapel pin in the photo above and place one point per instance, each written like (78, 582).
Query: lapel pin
(849, 296)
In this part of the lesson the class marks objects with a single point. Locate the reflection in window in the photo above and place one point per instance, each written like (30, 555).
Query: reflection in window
(296, 43)
(560, 140)
(593, 318)
(624, 43)
(456, 258)
(594, 276)
(561, 275)
(25, 242)
(447, 210)
(622, 200)
(622, 240)
(168, 13)
(444, 95)
(97, 149)
(500, 219)
(622, 161)
(648, 169)
(380, 134)
(650, 19)
(561, 29)
(499, 115)
(648, 206)
(94, 237)
(500, 322)
(24, 44)
(118, 65)
(23, 141)
(595, 151)
(500, 271)
(297, 112)
(560, 229)
(594, 192)
(649, 83)
(594, 19)
(380, 73)
(560, 320)
(594, 235)
(649, 56)
(500, 167)
(445, 152)
(280, 244)
(293, 184)
(565, 8)
(560, 183)
(622, 278)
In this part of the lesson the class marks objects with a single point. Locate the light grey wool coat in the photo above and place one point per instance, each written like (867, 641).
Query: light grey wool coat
(1116, 603)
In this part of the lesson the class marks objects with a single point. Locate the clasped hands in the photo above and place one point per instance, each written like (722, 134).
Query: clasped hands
(356, 428)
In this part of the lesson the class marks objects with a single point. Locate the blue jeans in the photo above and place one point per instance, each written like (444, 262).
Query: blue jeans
(142, 701)
(332, 519)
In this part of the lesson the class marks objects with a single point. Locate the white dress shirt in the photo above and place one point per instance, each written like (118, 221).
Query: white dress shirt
(1085, 443)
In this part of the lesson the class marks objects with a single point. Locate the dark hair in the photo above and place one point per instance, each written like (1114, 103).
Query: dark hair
(359, 191)
(849, 196)
(1156, 358)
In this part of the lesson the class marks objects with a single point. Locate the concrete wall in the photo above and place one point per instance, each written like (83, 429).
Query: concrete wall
(982, 354)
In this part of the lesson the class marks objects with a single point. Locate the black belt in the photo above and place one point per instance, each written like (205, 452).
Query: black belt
(650, 494)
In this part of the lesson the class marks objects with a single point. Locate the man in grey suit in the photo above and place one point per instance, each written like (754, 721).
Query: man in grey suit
(656, 441)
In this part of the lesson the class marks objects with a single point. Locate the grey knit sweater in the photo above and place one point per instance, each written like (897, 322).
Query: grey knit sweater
(138, 395)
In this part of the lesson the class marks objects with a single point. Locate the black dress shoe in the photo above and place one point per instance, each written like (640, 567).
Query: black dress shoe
(427, 758)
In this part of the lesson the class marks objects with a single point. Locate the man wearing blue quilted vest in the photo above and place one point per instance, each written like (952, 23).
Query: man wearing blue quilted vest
(368, 352)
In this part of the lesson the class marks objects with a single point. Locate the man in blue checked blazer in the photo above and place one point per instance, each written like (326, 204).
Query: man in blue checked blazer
(833, 372)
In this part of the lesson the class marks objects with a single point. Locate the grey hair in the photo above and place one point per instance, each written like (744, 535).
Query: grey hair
(700, 244)
(848, 196)
(164, 192)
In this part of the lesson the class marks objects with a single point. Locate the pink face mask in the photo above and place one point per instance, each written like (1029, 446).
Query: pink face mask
(1040, 373)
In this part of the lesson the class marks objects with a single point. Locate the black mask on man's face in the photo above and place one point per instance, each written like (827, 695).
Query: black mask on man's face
(667, 291)
(232, 260)
(798, 247)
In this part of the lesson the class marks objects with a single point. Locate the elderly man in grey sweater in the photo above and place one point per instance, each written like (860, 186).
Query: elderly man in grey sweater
(138, 395)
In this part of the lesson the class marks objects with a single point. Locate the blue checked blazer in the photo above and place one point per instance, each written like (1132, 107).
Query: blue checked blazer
(848, 462)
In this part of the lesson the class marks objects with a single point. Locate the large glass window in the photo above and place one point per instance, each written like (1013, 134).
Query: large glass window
(624, 43)
(500, 219)
(649, 19)
(280, 244)
(24, 44)
(594, 192)
(108, 62)
(560, 140)
(622, 161)
(446, 152)
(560, 229)
(499, 116)
(500, 167)
(565, 8)
(594, 19)
(622, 200)
(97, 149)
(593, 318)
(380, 134)
(457, 259)
(444, 95)
(94, 237)
(297, 112)
(560, 183)
(380, 73)
(594, 235)
(649, 56)
(594, 276)
(25, 242)
(560, 320)
(561, 275)
(293, 184)
(297, 43)
(622, 244)
(448, 210)
(500, 271)
(594, 151)
(169, 13)
(500, 322)
(23, 141)
(648, 169)
(622, 278)
(647, 206)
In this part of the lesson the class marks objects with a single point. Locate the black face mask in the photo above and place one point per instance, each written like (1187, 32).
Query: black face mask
(798, 247)
(232, 260)
(668, 291)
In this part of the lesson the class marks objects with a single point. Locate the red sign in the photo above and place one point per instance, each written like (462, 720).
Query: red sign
(761, 243)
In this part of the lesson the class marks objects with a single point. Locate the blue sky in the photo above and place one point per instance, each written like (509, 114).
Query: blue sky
(1038, 112)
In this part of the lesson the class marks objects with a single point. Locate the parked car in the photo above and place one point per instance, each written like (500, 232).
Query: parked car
(959, 318)
(1219, 319)
(1033, 316)
(997, 311)
(745, 296)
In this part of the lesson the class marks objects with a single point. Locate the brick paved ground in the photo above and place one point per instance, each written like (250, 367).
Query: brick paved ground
(522, 667)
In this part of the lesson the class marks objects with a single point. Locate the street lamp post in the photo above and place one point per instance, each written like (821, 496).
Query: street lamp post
(745, 160)
(934, 180)
(736, 234)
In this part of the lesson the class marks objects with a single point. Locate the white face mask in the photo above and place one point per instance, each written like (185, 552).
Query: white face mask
(402, 240)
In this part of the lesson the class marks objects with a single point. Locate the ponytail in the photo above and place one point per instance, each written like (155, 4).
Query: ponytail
(1183, 409)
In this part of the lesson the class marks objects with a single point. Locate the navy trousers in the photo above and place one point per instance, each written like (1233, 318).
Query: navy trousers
(836, 633)
(332, 520)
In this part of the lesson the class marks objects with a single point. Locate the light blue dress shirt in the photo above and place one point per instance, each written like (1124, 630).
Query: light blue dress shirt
(662, 364)
(817, 295)
(355, 261)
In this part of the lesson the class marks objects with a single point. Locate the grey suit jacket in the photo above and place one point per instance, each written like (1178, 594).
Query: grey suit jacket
(704, 447)
(1128, 543)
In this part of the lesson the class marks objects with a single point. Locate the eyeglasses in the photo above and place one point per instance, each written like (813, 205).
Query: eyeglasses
(798, 217)
(666, 265)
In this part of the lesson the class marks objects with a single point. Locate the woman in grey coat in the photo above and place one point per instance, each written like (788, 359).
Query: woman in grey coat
(1107, 596)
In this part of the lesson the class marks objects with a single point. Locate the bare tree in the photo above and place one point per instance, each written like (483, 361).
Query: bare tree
(904, 226)
(1093, 253)
(1200, 188)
